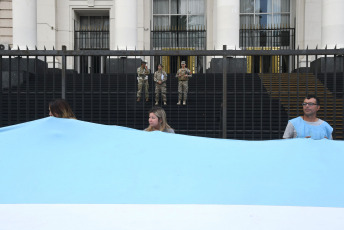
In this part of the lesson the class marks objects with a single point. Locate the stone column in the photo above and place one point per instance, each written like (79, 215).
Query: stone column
(125, 24)
(24, 24)
(332, 24)
(228, 24)
(46, 24)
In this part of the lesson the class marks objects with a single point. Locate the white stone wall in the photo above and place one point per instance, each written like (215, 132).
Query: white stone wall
(211, 27)
(24, 24)
(227, 24)
(6, 22)
(308, 23)
(144, 15)
(332, 23)
(46, 24)
(312, 24)
(55, 22)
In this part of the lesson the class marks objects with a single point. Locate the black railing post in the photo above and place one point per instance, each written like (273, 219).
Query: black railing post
(224, 95)
(63, 82)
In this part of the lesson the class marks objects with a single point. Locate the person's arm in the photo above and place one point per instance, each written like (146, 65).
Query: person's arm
(331, 137)
(165, 76)
(289, 131)
(177, 74)
(188, 73)
(156, 77)
(146, 70)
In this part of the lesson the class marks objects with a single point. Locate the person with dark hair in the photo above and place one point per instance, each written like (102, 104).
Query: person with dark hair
(158, 121)
(308, 125)
(60, 108)
(160, 78)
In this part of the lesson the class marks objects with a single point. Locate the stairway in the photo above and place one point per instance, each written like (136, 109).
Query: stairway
(291, 90)
(252, 113)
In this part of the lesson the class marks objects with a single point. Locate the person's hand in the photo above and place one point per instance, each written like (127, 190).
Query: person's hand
(159, 82)
(308, 137)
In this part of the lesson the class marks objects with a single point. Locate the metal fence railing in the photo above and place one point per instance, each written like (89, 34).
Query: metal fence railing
(268, 37)
(92, 39)
(179, 38)
(236, 97)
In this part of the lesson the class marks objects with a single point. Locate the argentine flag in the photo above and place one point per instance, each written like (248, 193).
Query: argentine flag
(68, 174)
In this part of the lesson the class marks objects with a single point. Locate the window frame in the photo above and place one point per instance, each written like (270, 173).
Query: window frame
(256, 15)
(169, 14)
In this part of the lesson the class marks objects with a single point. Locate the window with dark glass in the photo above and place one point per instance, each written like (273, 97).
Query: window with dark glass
(179, 23)
(265, 23)
(92, 32)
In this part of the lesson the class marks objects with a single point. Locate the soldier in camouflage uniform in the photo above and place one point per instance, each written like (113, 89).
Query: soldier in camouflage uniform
(160, 78)
(142, 79)
(183, 75)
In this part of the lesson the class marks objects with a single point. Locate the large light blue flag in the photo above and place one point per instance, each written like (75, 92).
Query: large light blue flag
(68, 174)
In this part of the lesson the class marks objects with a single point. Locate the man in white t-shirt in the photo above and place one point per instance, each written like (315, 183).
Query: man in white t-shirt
(308, 125)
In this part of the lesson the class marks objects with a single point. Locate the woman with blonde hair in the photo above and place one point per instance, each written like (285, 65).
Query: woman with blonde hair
(60, 108)
(158, 121)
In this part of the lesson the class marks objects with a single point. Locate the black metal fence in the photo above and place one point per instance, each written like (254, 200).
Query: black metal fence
(92, 39)
(229, 100)
(271, 37)
(170, 38)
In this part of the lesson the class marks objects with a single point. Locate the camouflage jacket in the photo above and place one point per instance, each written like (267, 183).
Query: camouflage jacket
(158, 76)
(142, 72)
(185, 74)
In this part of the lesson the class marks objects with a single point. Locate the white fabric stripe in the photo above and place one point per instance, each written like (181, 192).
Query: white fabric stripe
(167, 217)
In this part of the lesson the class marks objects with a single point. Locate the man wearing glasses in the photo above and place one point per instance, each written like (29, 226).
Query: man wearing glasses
(308, 125)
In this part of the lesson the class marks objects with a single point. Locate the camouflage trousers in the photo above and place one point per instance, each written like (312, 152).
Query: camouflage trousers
(160, 88)
(142, 82)
(183, 88)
